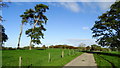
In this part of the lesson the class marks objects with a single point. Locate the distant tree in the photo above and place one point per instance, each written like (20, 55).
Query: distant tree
(26, 47)
(93, 47)
(98, 48)
(51, 46)
(113, 48)
(44, 47)
(88, 48)
(34, 17)
(82, 45)
(107, 28)
(104, 49)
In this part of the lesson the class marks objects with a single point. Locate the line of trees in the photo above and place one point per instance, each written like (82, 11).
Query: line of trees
(93, 47)
(63, 47)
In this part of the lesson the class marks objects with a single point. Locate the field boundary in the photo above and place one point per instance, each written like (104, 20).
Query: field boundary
(110, 54)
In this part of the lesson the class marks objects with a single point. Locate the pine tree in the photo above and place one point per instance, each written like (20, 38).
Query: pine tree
(107, 28)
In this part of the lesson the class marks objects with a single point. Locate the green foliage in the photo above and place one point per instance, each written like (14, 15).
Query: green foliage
(35, 34)
(4, 36)
(31, 16)
(64, 46)
(88, 48)
(44, 47)
(107, 28)
(2, 29)
(105, 49)
(1, 19)
(95, 47)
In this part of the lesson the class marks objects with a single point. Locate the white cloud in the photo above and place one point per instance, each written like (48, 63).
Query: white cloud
(85, 28)
(76, 7)
(73, 6)
(95, 5)
(21, 3)
(104, 5)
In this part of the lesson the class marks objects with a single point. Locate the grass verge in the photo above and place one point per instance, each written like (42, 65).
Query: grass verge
(105, 61)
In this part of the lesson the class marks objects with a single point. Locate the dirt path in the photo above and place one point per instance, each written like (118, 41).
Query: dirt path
(86, 60)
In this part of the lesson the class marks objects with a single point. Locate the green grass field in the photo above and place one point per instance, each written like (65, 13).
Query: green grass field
(37, 57)
(109, 62)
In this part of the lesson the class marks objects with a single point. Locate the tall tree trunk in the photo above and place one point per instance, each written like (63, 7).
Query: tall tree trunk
(19, 38)
(30, 47)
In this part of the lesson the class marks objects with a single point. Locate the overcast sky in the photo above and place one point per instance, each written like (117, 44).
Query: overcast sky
(68, 22)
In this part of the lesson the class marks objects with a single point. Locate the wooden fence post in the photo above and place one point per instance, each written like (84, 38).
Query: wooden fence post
(73, 52)
(69, 52)
(62, 53)
(20, 61)
(49, 57)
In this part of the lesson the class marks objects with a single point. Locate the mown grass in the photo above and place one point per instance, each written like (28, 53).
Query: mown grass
(37, 57)
(105, 61)
(113, 52)
(101, 63)
(113, 59)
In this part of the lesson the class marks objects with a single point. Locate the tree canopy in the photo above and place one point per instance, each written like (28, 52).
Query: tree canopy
(3, 36)
(36, 18)
(107, 28)
(2, 33)
(35, 34)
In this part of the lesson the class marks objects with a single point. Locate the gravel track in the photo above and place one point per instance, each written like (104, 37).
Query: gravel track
(86, 60)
